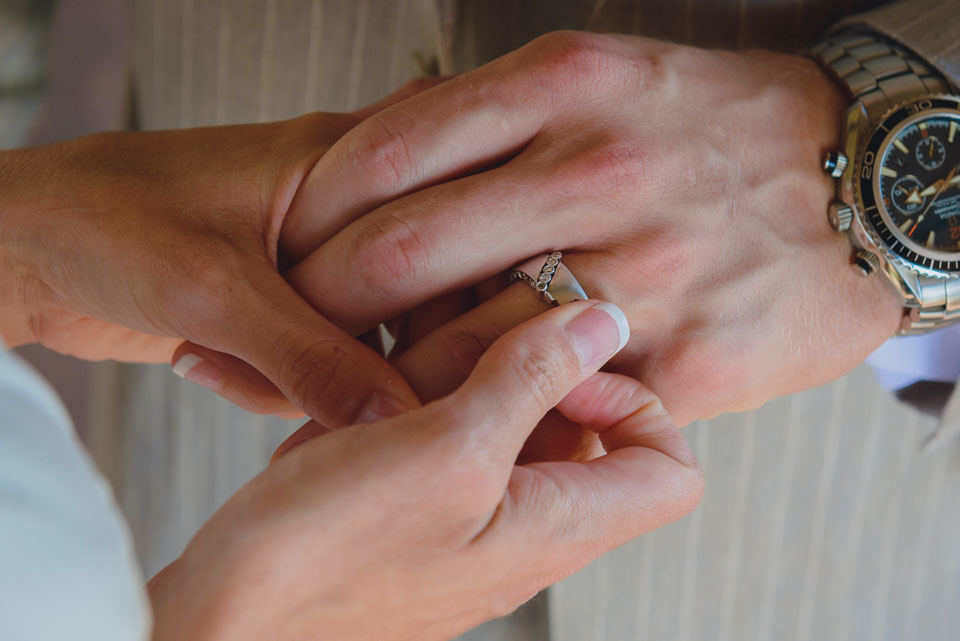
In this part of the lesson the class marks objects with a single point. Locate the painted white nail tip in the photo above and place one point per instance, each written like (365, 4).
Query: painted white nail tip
(186, 363)
(621, 319)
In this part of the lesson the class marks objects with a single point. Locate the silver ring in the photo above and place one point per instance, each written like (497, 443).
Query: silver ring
(549, 276)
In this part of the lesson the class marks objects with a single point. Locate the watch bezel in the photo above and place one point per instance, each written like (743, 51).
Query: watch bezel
(872, 213)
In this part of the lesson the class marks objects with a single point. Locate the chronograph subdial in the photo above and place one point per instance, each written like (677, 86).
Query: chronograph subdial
(905, 194)
(918, 186)
(930, 153)
(907, 182)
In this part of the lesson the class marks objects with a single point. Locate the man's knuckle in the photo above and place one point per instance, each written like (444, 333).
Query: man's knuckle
(584, 62)
(573, 54)
(390, 253)
(381, 151)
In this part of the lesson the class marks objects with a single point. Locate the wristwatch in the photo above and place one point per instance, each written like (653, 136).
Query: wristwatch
(899, 198)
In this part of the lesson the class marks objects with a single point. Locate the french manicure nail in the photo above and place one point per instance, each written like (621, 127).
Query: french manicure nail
(198, 370)
(623, 325)
(599, 332)
(379, 407)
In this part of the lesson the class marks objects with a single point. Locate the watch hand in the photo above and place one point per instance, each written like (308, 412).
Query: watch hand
(940, 186)
(914, 197)
(915, 225)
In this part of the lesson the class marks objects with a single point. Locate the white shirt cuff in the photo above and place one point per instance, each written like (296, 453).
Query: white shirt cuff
(906, 360)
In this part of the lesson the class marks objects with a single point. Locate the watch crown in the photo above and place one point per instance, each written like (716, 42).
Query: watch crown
(866, 261)
(840, 216)
(834, 163)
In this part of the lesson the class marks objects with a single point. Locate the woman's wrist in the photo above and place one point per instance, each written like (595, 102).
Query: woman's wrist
(15, 326)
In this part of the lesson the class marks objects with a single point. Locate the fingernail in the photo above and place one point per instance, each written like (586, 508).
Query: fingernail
(599, 332)
(379, 407)
(198, 370)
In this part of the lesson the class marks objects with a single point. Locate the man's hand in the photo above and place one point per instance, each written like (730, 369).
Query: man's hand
(421, 526)
(122, 245)
(683, 184)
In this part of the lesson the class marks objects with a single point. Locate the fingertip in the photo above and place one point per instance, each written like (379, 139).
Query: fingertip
(231, 378)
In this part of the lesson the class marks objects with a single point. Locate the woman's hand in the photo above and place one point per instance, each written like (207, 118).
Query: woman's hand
(683, 184)
(122, 245)
(422, 526)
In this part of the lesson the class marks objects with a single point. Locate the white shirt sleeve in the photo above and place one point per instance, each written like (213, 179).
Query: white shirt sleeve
(909, 359)
(67, 566)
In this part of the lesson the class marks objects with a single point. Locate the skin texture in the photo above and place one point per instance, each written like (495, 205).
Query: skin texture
(121, 245)
(422, 526)
(682, 184)
(145, 241)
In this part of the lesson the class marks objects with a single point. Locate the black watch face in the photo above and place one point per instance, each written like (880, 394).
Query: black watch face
(919, 180)
(910, 183)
